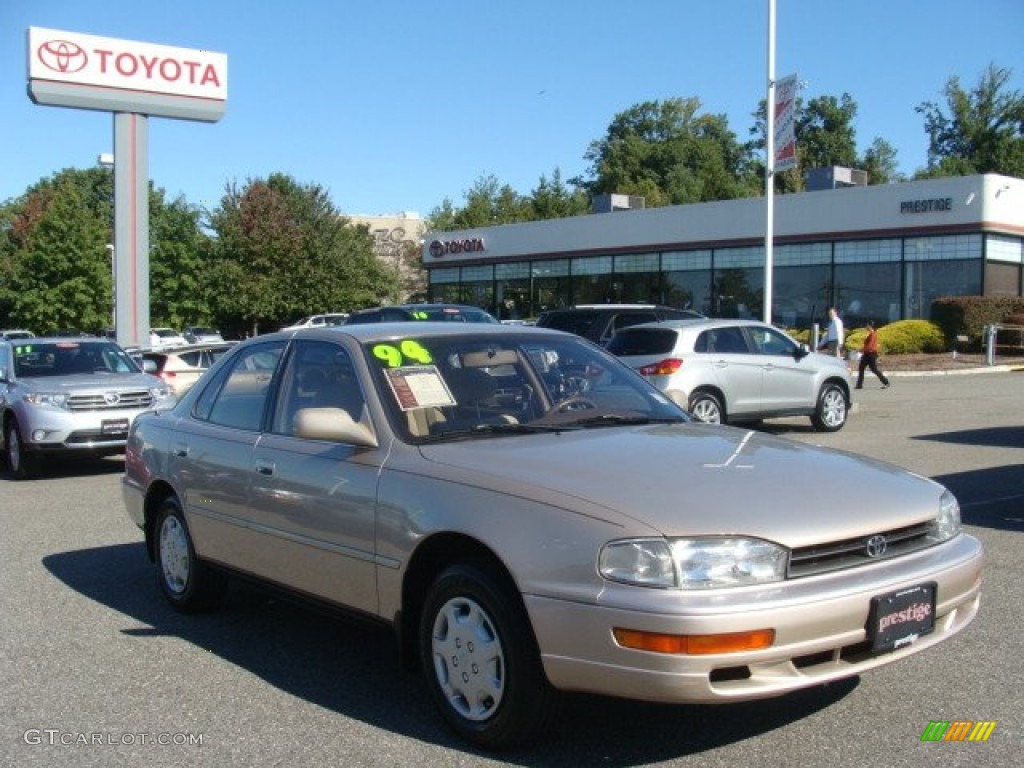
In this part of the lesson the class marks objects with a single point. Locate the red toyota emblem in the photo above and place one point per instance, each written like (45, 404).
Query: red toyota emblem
(62, 56)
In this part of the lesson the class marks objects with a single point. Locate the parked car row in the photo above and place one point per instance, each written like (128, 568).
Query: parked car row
(530, 515)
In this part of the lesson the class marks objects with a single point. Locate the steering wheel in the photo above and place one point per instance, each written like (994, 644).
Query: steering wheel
(574, 403)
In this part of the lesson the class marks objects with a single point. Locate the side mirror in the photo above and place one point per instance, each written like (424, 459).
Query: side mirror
(801, 352)
(333, 424)
(149, 366)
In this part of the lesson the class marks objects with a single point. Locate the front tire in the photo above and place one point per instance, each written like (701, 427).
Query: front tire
(832, 409)
(188, 584)
(23, 464)
(705, 407)
(480, 659)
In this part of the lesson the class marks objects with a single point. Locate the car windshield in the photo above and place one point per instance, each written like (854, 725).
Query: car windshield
(453, 314)
(455, 386)
(64, 358)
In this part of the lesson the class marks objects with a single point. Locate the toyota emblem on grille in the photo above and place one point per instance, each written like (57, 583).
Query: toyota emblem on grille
(112, 398)
(876, 546)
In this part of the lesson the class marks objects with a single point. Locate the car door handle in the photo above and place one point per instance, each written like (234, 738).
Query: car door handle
(264, 468)
(180, 450)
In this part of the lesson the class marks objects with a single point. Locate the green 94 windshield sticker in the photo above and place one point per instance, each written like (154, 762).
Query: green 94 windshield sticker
(406, 352)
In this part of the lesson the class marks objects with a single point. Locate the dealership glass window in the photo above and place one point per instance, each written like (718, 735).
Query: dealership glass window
(1008, 249)
(444, 285)
(478, 286)
(864, 292)
(800, 283)
(867, 251)
(738, 283)
(550, 285)
(512, 296)
(592, 281)
(866, 282)
(943, 247)
(947, 265)
(638, 278)
(1004, 267)
(925, 281)
(686, 280)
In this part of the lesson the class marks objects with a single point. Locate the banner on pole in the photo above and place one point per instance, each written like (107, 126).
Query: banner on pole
(785, 123)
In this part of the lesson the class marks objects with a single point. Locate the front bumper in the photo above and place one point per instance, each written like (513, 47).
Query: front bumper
(51, 431)
(820, 630)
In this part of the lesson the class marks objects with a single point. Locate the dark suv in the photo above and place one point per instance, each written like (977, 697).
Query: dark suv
(457, 313)
(598, 322)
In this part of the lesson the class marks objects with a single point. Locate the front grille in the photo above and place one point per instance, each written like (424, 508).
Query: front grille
(849, 553)
(111, 401)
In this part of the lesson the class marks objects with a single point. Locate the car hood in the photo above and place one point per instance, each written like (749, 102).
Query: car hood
(90, 382)
(689, 479)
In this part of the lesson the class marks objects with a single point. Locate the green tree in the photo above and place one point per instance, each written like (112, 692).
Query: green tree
(825, 137)
(487, 203)
(880, 163)
(283, 250)
(552, 199)
(669, 153)
(979, 131)
(56, 261)
(180, 291)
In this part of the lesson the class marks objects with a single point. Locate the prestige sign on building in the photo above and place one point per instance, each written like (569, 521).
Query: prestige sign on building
(71, 69)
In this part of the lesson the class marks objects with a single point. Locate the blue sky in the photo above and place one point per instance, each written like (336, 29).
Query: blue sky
(396, 105)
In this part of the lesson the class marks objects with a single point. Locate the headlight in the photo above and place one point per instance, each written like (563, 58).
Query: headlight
(947, 522)
(53, 399)
(709, 563)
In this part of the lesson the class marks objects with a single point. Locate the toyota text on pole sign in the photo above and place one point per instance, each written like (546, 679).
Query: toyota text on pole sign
(90, 72)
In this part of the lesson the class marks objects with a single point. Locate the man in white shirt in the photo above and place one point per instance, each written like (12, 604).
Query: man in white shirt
(833, 338)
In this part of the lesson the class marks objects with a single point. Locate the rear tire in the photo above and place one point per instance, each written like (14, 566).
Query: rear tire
(705, 407)
(186, 581)
(480, 660)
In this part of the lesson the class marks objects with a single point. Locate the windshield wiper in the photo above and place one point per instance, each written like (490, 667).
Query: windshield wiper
(484, 430)
(614, 419)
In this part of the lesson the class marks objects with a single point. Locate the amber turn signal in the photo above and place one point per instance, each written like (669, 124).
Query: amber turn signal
(694, 645)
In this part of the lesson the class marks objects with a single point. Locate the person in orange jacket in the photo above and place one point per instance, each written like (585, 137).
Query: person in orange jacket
(869, 358)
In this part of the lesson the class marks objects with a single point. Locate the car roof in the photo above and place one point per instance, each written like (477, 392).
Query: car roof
(370, 332)
(696, 323)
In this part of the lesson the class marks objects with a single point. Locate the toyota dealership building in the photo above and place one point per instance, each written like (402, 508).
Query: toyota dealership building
(880, 253)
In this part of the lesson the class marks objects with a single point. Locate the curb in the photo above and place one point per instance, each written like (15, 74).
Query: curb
(960, 372)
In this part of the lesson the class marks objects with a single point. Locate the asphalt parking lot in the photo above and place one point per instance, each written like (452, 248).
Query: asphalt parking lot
(95, 669)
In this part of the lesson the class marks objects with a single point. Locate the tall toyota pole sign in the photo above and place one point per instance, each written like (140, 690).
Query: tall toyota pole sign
(134, 81)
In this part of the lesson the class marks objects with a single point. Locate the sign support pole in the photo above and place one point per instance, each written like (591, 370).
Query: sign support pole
(131, 228)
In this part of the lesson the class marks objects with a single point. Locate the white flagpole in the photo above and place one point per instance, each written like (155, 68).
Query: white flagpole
(769, 167)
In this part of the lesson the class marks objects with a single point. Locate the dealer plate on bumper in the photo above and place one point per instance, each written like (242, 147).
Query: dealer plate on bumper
(114, 428)
(897, 619)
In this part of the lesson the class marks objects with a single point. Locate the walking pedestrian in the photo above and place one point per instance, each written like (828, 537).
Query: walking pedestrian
(869, 358)
(833, 338)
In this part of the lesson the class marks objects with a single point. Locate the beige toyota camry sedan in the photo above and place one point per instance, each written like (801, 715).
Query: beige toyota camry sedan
(531, 517)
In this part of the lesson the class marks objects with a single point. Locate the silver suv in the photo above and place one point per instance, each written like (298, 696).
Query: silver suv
(737, 370)
(68, 396)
